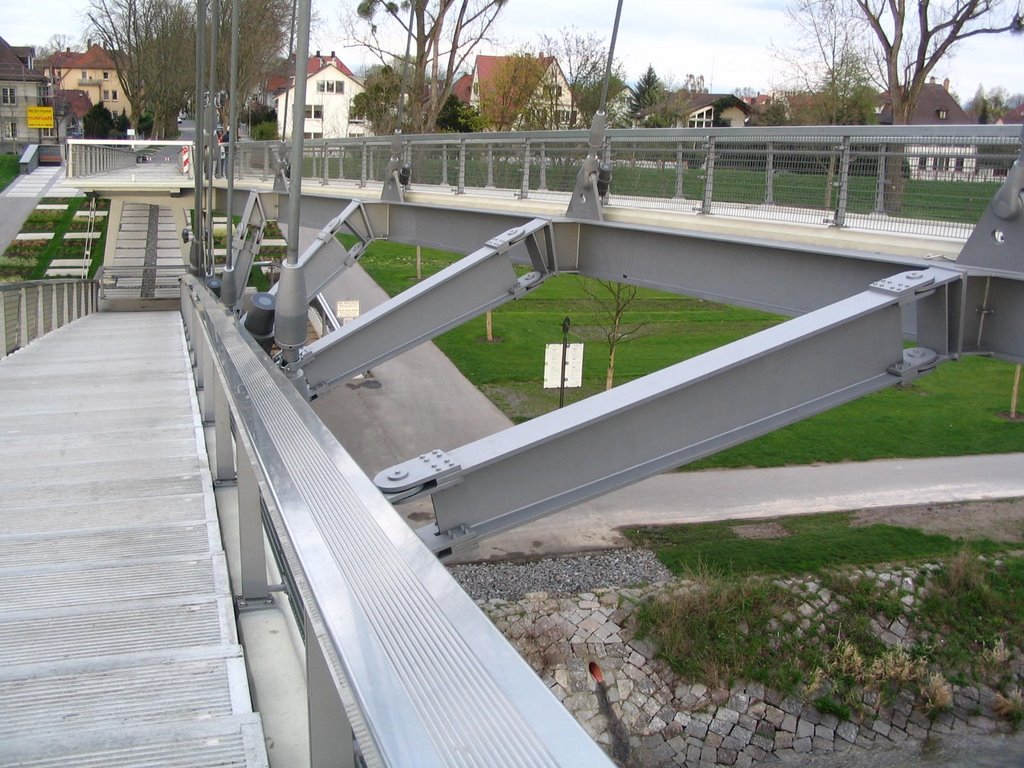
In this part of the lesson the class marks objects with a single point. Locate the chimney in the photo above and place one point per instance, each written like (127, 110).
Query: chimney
(318, 55)
(332, 55)
(931, 80)
(945, 84)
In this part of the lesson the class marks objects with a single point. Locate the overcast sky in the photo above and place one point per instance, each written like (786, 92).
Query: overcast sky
(727, 41)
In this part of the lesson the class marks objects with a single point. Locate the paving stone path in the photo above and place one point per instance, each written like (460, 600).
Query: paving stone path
(644, 715)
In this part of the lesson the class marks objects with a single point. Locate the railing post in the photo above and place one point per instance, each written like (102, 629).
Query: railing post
(490, 166)
(266, 163)
(326, 161)
(444, 165)
(844, 183)
(53, 309)
(679, 171)
(709, 177)
(40, 326)
(224, 454)
(769, 174)
(23, 317)
(524, 188)
(207, 405)
(364, 159)
(462, 168)
(880, 185)
(3, 322)
(67, 304)
(543, 182)
(252, 558)
(330, 733)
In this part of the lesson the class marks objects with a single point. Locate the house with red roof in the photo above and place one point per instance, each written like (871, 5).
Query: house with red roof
(1013, 117)
(330, 88)
(92, 72)
(517, 92)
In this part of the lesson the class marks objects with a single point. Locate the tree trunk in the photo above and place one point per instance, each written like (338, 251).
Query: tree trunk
(1016, 391)
(490, 327)
(610, 376)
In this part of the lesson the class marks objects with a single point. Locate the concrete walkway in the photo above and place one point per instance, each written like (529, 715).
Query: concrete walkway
(419, 401)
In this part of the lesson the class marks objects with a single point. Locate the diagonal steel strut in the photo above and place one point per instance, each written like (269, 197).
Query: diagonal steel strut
(677, 415)
(470, 287)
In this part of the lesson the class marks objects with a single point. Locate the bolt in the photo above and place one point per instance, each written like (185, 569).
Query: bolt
(397, 474)
(914, 275)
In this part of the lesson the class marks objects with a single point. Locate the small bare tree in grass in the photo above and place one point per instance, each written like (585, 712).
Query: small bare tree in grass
(611, 300)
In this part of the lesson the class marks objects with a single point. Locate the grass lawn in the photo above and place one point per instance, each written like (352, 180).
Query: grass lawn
(957, 410)
(29, 259)
(739, 612)
(9, 169)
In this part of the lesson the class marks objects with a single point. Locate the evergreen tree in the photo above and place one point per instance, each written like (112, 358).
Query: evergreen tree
(648, 92)
(98, 122)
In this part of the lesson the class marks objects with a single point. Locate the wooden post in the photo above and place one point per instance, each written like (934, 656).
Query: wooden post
(1015, 393)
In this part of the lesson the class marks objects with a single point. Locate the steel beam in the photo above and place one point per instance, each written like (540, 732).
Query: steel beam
(682, 413)
(475, 284)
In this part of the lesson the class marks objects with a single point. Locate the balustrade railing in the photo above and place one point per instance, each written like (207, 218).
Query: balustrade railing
(30, 310)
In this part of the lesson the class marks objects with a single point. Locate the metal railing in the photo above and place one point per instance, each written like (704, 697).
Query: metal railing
(930, 180)
(403, 668)
(32, 309)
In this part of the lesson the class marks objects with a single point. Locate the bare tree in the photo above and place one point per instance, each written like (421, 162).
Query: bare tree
(913, 37)
(505, 96)
(829, 62)
(442, 36)
(611, 300)
(583, 58)
(152, 45)
(56, 44)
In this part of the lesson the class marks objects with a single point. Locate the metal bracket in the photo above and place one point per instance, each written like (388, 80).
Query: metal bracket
(916, 361)
(905, 284)
(433, 470)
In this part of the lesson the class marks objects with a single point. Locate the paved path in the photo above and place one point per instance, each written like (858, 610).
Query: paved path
(419, 401)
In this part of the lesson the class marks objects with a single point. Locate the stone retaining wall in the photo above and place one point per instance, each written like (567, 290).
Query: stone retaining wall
(643, 715)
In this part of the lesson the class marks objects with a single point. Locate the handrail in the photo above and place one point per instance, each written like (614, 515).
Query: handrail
(30, 310)
(891, 178)
(403, 665)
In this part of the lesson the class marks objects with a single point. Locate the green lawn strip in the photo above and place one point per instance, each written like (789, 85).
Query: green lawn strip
(736, 613)
(9, 169)
(814, 542)
(955, 411)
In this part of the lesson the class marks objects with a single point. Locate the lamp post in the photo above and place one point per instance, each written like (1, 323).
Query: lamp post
(565, 347)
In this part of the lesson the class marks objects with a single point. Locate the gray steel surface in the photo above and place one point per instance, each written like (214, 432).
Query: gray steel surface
(117, 634)
(425, 678)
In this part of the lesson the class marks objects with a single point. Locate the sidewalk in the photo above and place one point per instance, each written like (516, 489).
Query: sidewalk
(419, 401)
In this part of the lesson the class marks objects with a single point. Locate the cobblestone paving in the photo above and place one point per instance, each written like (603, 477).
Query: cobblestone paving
(643, 715)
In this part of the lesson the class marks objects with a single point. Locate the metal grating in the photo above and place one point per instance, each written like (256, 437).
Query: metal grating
(117, 637)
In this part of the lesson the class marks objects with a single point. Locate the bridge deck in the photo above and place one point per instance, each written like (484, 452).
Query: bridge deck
(117, 635)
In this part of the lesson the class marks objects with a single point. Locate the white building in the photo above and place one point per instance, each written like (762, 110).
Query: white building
(330, 88)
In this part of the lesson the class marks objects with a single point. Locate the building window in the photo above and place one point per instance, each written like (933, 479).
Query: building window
(943, 114)
(48, 133)
(10, 129)
(705, 118)
(330, 86)
(85, 74)
(106, 95)
(113, 95)
(315, 111)
(9, 96)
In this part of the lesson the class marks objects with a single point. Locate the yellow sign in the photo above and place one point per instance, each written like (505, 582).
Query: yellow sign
(40, 117)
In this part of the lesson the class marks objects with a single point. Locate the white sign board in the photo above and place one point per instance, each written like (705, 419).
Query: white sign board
(553, 366)
(347, 310)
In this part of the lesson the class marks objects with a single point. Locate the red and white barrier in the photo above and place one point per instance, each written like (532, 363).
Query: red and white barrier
(186, 161)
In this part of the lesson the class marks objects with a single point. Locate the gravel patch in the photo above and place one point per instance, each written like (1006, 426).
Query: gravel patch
(570, 575)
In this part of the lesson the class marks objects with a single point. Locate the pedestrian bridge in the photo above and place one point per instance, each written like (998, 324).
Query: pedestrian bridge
(400, 667)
